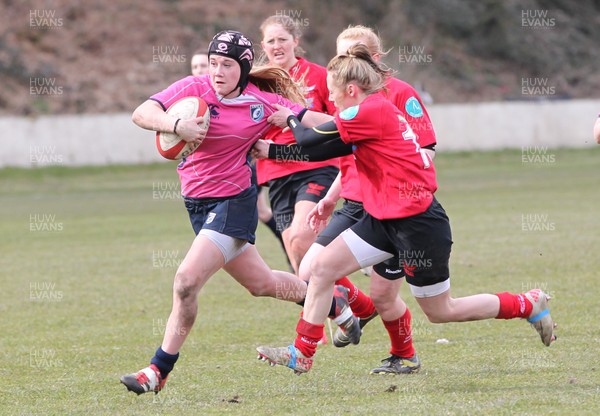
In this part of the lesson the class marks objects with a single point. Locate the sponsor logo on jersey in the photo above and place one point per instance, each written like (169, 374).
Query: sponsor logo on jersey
(257, 112)
(413, 107)
(213, 110)
(349, 113)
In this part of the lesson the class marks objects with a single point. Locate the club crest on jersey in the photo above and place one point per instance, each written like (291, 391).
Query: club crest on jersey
(213, 110)
(349, 113)
(257, 112)
(413, 107)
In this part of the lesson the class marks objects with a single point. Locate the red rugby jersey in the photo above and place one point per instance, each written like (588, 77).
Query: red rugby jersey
(408, 101)
(397, 178)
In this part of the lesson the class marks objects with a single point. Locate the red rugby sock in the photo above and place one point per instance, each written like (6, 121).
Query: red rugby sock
(401, 335)
(308, 337)
(361, 304)
(513, 306)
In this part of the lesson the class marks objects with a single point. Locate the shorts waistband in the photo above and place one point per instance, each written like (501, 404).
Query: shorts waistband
(354, 203)
(204, 201)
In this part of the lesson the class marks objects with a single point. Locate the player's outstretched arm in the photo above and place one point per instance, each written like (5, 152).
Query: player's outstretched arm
(324, 151)
(314, 118)
(309, 118)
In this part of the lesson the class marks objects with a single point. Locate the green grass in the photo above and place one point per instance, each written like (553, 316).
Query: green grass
(84, 300)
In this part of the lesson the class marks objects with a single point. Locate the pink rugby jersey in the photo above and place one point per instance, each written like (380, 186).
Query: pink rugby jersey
(218, 167)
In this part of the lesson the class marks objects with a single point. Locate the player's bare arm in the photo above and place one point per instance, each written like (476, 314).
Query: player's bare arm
(309, 118)
(150, 116)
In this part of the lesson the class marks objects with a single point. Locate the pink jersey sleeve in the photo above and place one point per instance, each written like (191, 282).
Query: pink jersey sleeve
(187, 87)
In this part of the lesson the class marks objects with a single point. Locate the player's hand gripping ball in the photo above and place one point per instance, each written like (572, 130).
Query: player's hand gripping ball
(169, 144)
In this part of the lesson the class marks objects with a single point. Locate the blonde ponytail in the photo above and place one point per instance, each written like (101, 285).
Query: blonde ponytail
(357, 65)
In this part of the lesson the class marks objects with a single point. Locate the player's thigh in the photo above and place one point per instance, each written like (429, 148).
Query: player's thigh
(248, 265)
(203, 259)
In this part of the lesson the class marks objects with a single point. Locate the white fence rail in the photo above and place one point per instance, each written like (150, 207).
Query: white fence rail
(75, 140)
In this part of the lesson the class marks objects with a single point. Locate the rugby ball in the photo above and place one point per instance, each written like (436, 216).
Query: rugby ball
(169, 144)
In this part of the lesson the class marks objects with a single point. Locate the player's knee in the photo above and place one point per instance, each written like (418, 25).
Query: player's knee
(304, 271)
(186, 285)
(321, 270)
(383, 300)
(298, 248)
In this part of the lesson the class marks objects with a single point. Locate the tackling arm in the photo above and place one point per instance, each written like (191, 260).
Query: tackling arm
(313, 144)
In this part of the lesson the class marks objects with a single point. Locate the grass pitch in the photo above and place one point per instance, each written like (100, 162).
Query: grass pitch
(88, 256)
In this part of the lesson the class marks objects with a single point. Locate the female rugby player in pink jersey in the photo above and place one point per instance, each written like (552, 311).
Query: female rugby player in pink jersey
(398, 182)
(216, 185)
